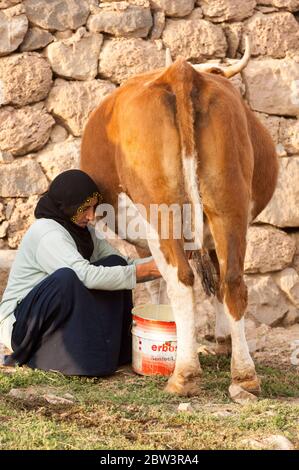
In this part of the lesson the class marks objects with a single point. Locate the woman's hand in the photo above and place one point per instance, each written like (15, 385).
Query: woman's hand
(147, 271)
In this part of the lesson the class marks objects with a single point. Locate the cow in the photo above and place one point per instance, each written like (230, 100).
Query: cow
(183, 134)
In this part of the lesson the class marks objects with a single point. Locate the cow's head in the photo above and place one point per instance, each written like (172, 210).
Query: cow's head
(227, 72)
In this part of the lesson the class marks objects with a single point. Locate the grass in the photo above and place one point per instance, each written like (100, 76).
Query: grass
(127, 411)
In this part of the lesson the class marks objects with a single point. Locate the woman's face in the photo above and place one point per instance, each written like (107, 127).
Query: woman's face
(88, 213)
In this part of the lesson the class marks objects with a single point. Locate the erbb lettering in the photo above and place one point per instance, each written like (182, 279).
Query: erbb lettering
(166, 347)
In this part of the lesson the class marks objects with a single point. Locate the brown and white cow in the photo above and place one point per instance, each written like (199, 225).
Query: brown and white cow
(178, 135)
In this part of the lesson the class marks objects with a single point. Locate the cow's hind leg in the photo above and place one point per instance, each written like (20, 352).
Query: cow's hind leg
(230, 240)
(179, 279)
(222, 326)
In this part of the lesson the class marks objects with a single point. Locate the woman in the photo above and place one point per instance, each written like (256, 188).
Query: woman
(67, 305)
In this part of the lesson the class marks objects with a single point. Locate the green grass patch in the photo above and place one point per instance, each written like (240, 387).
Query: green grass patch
(128, 411)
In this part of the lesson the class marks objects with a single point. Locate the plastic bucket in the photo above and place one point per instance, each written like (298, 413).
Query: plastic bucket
(154, 340)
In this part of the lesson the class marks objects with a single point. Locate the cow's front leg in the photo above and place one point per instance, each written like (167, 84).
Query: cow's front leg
(242, 366)
(222, 329)
(185, 378)
(230, 247)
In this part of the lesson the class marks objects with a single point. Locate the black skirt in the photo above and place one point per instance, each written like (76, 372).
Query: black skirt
(63, 326)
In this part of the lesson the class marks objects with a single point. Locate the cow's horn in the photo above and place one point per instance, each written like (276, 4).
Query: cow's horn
(241, 64)
(230, 71)
(168, 59)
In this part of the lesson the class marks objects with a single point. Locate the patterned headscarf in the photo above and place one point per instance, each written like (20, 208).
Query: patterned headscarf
(64, 200)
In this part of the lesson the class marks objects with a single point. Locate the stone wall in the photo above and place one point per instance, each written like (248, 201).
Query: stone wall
(60, 58)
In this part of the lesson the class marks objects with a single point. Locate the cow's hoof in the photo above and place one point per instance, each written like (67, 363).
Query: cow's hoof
(183, 385)
(241, 396)
(250, 384)
(224, 347)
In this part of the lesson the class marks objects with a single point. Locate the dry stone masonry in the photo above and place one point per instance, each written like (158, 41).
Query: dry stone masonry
(60, 58)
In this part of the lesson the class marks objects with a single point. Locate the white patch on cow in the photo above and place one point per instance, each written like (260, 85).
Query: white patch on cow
(182, 302)
(222, 327)
(127, 213)
(191, 186)
(241, 359)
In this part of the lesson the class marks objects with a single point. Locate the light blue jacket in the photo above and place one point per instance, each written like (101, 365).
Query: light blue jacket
(48, 246)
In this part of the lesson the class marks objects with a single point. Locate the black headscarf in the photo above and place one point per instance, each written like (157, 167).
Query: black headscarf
(67, 192)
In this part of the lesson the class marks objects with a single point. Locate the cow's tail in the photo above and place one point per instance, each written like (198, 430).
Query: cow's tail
(183, 86)
(184, 82)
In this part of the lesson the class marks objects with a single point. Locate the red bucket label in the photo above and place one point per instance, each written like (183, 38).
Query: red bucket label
(154, 340)
(152, 357)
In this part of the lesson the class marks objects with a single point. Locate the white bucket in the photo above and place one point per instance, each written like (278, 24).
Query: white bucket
(154, 340)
